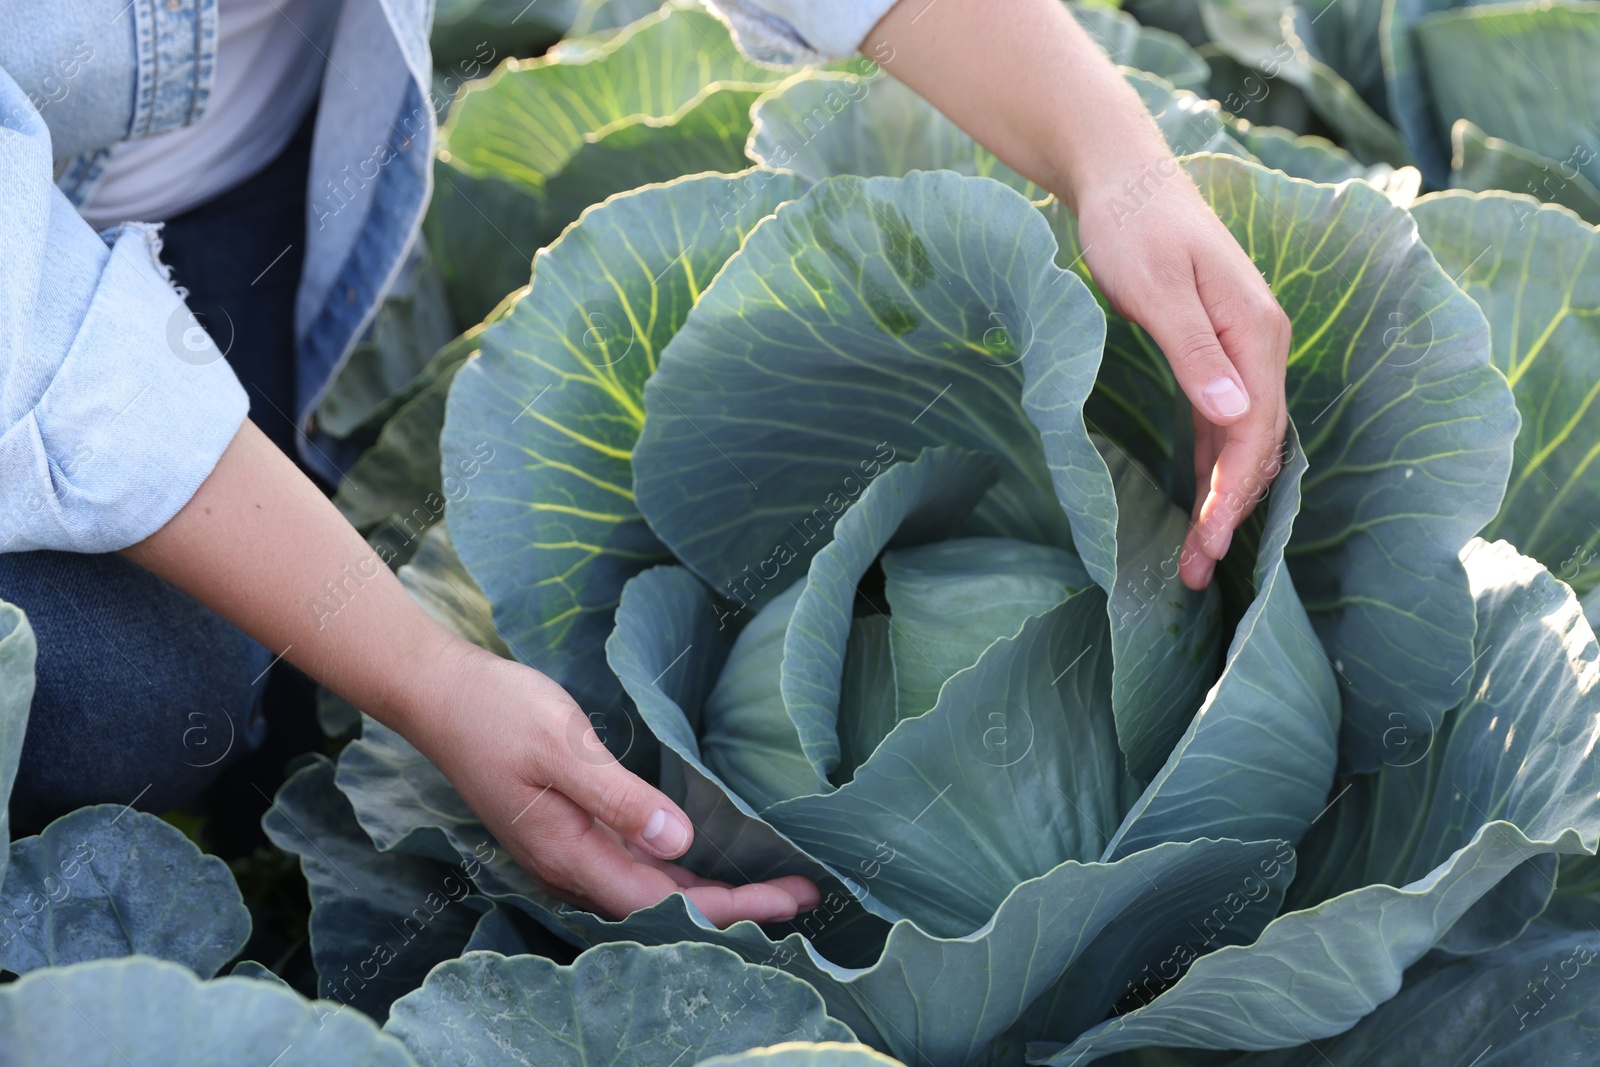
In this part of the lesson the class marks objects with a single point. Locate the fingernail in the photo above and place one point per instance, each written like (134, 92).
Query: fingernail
(1224, 544)
(1206, 572)
(1225, 398)
(665, 832)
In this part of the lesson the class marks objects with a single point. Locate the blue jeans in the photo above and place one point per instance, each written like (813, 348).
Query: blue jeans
(143, 696)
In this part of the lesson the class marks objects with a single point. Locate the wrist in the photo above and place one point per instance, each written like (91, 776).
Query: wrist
(1106, 138)
(1122, 190)
(423, 677)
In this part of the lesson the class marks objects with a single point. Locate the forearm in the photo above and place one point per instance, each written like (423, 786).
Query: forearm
(1027, 83)
(259, 545)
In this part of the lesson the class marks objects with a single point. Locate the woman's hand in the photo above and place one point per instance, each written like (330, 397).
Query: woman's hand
(1169, 264)
(527, 760)
(1029, 85)
(263, 548)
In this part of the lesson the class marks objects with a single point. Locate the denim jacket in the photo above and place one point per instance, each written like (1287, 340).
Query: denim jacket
(114, 406)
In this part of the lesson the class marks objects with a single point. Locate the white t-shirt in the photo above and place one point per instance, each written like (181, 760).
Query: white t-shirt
(270, 56)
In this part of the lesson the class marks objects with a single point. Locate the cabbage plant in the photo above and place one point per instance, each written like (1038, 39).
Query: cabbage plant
(1497, 95)
(869, 515)
(840, 499)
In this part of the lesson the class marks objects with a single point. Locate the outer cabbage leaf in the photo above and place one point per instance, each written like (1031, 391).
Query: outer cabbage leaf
(413, 322)
(706, 134)
(1524, 72)
(1249, 93)
(1407, 428)
(404, 803)
(497, 931)
(1128, 44)
(548, 527)
(1480, 163)
(510, 932)
(1411, 104)
(1535, 272)
(1510, 776)
(147, 1013)
(379, 921)
(1346, 31)
(601, 18)
(1532, 1002)
(887, 130)
(824, 123)
(1251, 31)
(462, 29)
(258, 971)
(1368, 135)
(804, 1054)
(905, 313)
(442, 587)
(483, 230)
(17, 653)
(107, 881)
(528, 148)
(616, 1004)
(1313, 158)
(1192, 124)
(943, 1001)
(392, 481)
(526, 121)
(1575, 904)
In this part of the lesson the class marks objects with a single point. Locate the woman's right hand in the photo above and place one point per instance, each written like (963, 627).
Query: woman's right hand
(528, 762)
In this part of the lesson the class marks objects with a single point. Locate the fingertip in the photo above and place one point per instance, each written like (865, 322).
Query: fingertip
(804, 891)
(1219, 544)
(1195, 568)
(758, 903)
(1197, 576)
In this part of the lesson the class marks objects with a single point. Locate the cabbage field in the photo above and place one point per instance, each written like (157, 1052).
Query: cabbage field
(810, 460)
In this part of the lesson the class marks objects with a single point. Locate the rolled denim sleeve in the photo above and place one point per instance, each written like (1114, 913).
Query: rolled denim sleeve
(114, 404)
(800, 31)
(103, 71)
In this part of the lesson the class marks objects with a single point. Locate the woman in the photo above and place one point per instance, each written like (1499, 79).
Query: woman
(123, 426)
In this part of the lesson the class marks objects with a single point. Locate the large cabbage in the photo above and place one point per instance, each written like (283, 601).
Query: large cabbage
(832, 504)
